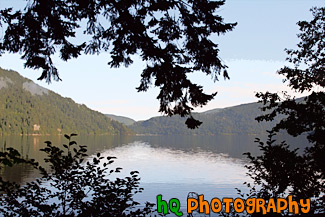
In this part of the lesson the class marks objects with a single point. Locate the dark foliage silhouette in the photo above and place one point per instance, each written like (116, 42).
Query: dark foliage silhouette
(280, 170)
(174, 38)
(72, 187)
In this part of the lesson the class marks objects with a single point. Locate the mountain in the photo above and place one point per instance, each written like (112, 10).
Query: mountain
(212, 111)
(232, 120)
(27, 108)
(124, 120)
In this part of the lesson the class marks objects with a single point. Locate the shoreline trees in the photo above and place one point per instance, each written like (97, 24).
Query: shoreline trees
(280, 171)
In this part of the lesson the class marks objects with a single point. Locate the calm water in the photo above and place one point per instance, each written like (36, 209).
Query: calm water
(169, 165)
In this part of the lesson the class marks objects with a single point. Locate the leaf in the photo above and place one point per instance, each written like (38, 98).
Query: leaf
(48, 142)
(133, 172)
(118, 169)
(72, 143)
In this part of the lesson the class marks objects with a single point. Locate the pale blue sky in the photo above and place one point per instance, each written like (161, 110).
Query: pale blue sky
(254, 51)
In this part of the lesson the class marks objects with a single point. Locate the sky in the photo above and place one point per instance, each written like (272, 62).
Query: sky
(253, 51)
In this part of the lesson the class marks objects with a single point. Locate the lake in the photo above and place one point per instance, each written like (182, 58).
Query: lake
(171, 166)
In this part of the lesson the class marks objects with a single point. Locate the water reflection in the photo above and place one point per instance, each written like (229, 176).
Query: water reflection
(185, 158)
(164, 165)
(174, 173)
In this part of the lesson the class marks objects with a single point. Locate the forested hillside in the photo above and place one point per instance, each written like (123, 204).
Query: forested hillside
(124, 120)
(232, 120)
(27, 108)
